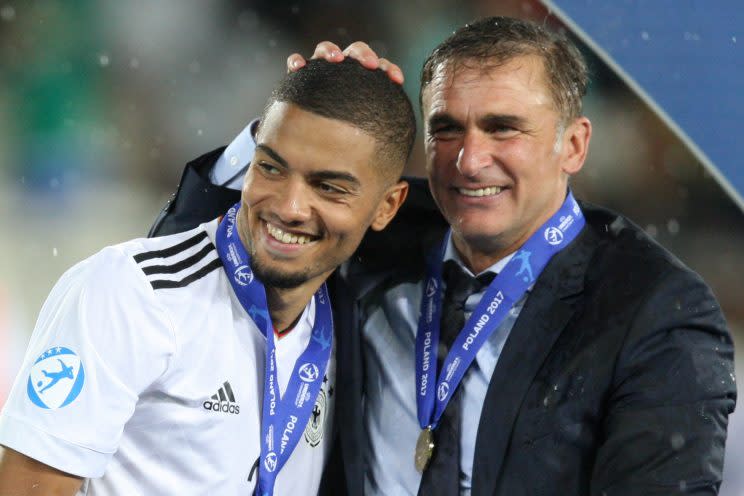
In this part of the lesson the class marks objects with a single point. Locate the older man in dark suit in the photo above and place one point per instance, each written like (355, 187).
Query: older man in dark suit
(573, 355)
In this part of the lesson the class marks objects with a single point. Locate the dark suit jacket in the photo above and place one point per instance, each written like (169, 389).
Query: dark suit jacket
(617, 378)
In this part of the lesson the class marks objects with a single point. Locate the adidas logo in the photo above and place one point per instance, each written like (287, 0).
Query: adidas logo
(223, 401)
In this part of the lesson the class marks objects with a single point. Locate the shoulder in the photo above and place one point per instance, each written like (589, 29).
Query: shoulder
(176, 260)
(672, 328)
(624, 252)
(118, 305)
(416, 227)
(633, 283)
(123, 279)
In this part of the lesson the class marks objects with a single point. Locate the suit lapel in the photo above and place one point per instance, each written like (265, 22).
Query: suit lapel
(348, 408)
(544, 316)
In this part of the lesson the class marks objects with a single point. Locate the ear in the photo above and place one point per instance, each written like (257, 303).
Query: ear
(575, 145)
(391, 201)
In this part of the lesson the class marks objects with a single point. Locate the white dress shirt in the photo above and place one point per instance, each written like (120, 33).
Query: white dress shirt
(391, 422)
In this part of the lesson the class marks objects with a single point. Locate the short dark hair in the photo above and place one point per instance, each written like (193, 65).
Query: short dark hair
(493, 41)
(366, 99)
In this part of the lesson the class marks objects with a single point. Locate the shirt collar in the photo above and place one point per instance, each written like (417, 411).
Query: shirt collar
(240, 152)
(450, 253)
(231, 165)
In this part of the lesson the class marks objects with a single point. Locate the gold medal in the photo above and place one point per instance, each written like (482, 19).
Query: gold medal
(424, 449)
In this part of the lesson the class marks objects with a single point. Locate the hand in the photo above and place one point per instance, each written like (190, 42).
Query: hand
(358, 50)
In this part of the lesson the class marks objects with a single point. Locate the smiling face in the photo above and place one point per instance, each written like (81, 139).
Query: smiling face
(497, 161)
(310, 193)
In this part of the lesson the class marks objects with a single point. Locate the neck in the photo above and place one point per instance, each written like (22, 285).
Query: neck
(286, 305)
(479, 253)
(478, 260)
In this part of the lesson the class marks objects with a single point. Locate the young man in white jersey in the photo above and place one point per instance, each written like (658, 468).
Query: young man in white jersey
(149, 371)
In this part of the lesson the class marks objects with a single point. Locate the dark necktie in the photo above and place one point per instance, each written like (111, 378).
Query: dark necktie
(442, 476)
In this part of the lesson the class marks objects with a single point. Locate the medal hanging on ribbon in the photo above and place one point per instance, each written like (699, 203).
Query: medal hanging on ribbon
(283, 418)
(434, 390)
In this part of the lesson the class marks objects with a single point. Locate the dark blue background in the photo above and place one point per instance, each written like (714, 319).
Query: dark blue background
(687, 56)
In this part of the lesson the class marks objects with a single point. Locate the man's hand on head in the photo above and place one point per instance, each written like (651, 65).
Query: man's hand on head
(358, 50)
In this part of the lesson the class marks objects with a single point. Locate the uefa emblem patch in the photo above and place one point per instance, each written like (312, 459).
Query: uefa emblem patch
(56, 378)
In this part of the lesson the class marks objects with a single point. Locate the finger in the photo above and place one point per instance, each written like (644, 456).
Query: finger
(329, 51)
(362, 53)
(393, 71)
(295, 62)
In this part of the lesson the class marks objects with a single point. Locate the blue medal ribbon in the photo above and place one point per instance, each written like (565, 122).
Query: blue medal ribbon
(435, 390)
(284, 417)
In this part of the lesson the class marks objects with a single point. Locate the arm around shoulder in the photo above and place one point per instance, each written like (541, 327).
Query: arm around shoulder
(196, 200)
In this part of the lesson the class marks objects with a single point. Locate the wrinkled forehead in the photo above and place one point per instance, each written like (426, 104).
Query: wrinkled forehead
(520, 77)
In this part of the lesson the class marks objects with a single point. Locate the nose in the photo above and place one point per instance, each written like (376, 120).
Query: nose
(293, 205)
(474, 155)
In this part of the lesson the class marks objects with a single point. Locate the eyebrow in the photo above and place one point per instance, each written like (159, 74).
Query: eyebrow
(493, 120)
(322, 175)
(273, 154)
(486, 121)
(437, 120)
(335, 176)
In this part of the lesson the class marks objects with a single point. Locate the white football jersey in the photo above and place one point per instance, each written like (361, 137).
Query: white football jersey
(144, 375)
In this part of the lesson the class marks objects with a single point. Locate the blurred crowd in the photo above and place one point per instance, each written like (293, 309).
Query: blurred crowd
(102, 103)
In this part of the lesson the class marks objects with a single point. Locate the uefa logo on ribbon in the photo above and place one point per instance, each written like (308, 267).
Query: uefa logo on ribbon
(443, 391)
(554, 236)
(243, 275)
(56, 378)
(309, 372)
(270, 461)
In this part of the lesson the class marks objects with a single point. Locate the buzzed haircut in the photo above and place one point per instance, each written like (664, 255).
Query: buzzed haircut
(366, 99)
(493, 41)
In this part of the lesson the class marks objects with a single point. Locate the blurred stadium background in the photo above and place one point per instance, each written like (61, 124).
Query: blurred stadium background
(102, 103)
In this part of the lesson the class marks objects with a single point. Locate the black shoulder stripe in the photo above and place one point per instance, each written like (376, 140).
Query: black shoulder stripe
(179, 266)
(163, 284)
(169, 252)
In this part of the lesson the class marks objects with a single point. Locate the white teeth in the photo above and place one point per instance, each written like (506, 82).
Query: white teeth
(285, 237)
(493, 190)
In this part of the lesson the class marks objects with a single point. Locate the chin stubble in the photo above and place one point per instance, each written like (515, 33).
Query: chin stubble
(276, 278)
